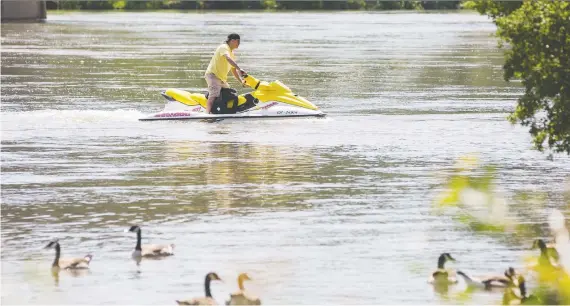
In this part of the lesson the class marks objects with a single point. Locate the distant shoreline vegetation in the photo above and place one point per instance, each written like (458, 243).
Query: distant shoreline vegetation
(252, 5)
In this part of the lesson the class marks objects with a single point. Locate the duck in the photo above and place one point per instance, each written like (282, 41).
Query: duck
(208, 299)
(149, 250)
(516, 295)
(490, 281)
(67, 263)
(240, 297)
(442, 275)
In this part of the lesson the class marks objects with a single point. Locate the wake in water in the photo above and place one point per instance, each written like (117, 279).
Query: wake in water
(69, 116)
(19, 126)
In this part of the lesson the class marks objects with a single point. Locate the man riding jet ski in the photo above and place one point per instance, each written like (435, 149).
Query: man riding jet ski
(267, 100)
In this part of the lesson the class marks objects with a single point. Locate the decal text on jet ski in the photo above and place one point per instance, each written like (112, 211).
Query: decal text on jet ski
(269, 105)
(179, 114)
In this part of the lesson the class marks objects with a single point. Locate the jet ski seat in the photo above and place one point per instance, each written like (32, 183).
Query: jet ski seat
(226, 103)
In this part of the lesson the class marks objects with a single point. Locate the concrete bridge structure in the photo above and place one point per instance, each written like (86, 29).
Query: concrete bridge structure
(23, 10)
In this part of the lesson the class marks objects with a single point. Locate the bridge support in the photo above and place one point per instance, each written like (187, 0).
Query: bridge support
(23, 10)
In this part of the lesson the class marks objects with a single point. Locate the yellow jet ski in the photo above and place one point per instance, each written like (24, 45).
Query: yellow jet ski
(267, 100)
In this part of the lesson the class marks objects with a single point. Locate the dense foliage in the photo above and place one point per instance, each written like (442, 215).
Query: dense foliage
(537, 34)
(261, 4)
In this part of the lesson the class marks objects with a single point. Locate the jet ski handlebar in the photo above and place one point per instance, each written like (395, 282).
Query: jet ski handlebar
(256, 84)
(253, 82)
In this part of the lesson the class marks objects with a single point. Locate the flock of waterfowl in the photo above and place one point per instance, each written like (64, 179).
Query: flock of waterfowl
(513, 283)
(240, 297)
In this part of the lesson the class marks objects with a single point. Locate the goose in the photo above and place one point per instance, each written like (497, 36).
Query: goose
(491, 281)
(67, 263)
(240, 297)
(208, 299)
(548, 254)
(516, 295)
(149, 250)
(442, 275)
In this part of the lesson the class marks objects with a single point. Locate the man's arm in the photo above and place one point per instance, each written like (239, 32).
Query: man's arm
(231, 61)
(237, 76)
(235, 68)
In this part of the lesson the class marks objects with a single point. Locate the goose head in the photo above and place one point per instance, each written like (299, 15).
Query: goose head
(241, 278)
(133, 229)
(52, 244)
(539, 243)
(443, 258)
(212, 276)
(510, 273)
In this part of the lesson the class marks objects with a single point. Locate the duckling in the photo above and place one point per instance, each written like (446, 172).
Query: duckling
(67, 263)
(491, 281)
(516, 295)
(548, 254)
(149, 250)
(208, 299)
(442, 275)
(240, 297)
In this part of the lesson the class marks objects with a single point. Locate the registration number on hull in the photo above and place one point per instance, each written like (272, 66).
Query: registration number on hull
(287, 112)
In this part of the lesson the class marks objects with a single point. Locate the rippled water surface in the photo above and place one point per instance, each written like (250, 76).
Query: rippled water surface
(318, 211)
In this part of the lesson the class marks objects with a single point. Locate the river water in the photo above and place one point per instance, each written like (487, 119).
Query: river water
(317, 211)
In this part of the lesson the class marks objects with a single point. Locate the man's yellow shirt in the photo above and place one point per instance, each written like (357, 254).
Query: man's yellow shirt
(219, 65)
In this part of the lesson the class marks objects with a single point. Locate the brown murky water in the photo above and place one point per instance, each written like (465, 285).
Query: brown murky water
(317, 211)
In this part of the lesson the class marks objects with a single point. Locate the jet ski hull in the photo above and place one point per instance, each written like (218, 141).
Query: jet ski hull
(178, 111)
(219, 117)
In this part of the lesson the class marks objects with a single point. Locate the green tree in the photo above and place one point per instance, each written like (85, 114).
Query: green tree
(537, 33)
(438, 5)
(492, 8)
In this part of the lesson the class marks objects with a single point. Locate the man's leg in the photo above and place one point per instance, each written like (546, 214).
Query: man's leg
(210, 102)
(214, 88)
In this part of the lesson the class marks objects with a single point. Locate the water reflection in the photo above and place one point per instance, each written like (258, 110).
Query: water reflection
(55, 275)
(198, 177)
(442, 289)
(56, 272)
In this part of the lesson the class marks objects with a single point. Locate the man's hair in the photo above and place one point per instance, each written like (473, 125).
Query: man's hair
(232, 36)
